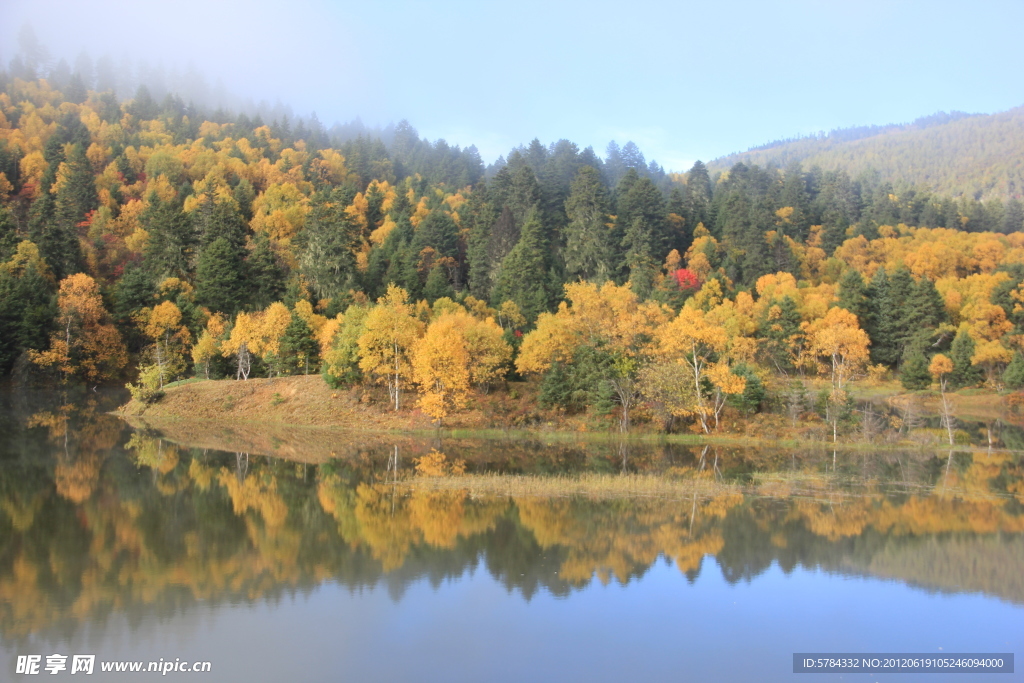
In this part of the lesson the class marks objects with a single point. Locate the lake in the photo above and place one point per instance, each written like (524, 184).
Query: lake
(278, 553)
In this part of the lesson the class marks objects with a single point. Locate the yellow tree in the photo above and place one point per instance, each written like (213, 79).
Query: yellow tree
(86, 343)
(940, 368)
(209, 344)
(272, 325)
(170, 338)
(991, 355)
(695, 342)
(489, 353)
(440, 366)
(391, 329)
(611, 320)
(840, 349)
(243, 341)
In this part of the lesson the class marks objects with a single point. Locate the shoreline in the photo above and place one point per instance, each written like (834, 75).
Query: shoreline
(302, 409)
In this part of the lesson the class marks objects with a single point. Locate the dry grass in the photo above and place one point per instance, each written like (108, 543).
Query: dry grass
(591, 485)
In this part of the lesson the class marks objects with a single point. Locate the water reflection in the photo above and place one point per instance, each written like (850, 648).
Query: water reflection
(98, 519)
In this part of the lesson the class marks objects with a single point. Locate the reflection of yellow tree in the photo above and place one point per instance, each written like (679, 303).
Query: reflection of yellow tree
(77, 472)
(612, 538)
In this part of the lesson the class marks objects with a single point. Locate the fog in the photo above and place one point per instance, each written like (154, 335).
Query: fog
(684, 81)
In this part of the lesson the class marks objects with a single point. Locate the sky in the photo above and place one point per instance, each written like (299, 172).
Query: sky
(684, 80)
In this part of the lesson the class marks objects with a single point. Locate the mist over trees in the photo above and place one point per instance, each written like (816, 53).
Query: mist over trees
(216, 242)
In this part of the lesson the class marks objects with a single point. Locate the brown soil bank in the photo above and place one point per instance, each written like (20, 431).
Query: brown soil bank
(303, 400)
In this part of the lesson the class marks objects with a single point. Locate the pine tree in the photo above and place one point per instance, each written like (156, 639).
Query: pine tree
(300, 354)
(1013, 376)
(642, 267)
(914, 374)
(524, 272)
(794, 195)
(328, 245)
(171, 244)
(212, 220)
(27, 311)
(524, 195)
(55, 233)
(882, 321)
(639, 198)
(698, 196)
(266, 279)
(481, 216)
(852, 295)
(133, 292)
(780, 331)
(220, 278)
(438, 231)
(927, 309)
(437, 285)
(8, 234)
(681, 231)
(901, 290)
(587, 249)
(960, 352)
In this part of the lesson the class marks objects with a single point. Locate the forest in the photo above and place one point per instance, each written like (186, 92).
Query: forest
(958, 154)
(154, 241)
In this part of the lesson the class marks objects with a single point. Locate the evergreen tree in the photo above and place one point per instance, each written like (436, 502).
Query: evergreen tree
(439, 231)
(587, 249)
(220, 278)
(28, 309)
(698, 197)
(581, 382)
(524, 273)
(927, 310)
(8, 234)
(524, 195)
(914, 373)
(481, 216)
(266, 279)
(901, 291)
(1013, 375)
(76, 195)
(794, 195)
(680, 230)
(56, 232)
(641, 265)
(171, 244)
(212, 220)
(641, 212)
(300, 353)
(437, 285)
(852, 294)
(1013, 216)
(836, 207)
(960, 352)
(779, 331)
(328, 245)
(882, 323)
(133, 292)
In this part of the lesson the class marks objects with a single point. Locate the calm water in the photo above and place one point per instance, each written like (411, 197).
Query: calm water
(292, 555)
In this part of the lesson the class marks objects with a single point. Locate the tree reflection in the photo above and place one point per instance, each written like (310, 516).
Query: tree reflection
(91, 527)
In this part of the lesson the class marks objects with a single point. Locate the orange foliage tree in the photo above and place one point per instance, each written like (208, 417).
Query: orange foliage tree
(86, 344)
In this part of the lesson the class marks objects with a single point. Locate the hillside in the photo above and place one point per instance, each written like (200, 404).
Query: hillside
(980, 156)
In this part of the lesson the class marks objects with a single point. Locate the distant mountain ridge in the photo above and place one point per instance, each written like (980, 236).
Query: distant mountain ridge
(955, 153)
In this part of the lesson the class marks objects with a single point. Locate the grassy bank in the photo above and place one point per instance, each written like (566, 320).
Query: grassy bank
(257, 409)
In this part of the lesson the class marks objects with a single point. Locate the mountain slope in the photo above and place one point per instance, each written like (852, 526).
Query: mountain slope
(957, 154)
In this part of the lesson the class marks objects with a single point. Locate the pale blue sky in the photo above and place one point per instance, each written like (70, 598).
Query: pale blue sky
(683, 80)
